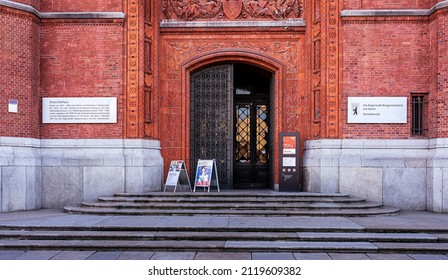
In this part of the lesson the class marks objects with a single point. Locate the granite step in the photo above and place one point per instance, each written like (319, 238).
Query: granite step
(251, 194)
(233, 212)
(240, 237)
(219, 235)
(233, 203)
(233, 199)
(222, 246)
(232, 206)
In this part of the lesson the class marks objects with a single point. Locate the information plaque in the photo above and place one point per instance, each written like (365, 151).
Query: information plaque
(289, 149)
(377, 110)
(79, 110)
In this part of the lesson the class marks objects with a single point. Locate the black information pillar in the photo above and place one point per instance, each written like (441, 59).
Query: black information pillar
(289, 150)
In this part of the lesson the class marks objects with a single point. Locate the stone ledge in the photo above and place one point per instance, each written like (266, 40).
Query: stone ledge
(397, 12)
(374, 143)
(62, 15)
(230, 24)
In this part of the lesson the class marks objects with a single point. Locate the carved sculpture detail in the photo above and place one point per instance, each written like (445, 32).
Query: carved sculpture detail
(190, 10)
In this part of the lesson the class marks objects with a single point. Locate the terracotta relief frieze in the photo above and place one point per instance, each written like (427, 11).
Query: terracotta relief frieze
(316, 69)
(148, 51)
(191, 10)
(132, 79)
(333, 69)
(179, 51)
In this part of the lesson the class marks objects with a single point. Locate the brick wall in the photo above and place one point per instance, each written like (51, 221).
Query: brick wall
(389, 4)
(384, 59)
(82, 60)
(19, 72)
(35, 3)
(438, 106)
(82, 5)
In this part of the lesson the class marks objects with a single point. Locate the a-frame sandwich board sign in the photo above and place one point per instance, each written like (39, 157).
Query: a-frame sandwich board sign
(177, 175)
(206, 175)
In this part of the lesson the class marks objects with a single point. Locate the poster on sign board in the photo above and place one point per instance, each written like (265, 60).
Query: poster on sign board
(206, 175)
(177, 175)
(289, 145)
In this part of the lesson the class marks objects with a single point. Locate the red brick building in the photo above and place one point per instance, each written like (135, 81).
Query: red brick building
(194, 79)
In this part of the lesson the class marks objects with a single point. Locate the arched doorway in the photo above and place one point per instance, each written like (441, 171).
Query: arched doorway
(230, 122)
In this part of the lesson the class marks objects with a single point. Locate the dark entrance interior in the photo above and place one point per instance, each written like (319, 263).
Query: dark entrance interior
(251, 127)
(230, 122)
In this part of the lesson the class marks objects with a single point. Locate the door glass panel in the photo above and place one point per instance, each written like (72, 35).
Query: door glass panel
(242, 135)
(262, 136)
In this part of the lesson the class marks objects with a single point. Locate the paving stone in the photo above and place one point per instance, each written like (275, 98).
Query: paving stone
(167, 221)
(312, 256)
(173, 256)
(428, 257)
(366, 236)
(441, 236)
(272, 256)
(73, 255)
(294, 223)
(227, 235)
(105, 255)
(415, 220)
(129, 245)
(136, 255)
(222, 256)
(10, 255)
(293, 246)
(412, 247)
(389, 257)
(347, 256)
(38, 255)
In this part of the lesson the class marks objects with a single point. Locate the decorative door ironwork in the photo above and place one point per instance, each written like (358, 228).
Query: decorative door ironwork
(210, 119)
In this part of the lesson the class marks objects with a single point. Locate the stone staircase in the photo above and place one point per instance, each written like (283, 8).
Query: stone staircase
(224, 222)
(229, 239)
(233, 203)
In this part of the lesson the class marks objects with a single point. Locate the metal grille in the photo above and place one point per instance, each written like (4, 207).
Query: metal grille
(210, 119)
(417, 115)
(262, 137)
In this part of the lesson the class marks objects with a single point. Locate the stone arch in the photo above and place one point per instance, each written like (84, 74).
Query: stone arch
(277, 68)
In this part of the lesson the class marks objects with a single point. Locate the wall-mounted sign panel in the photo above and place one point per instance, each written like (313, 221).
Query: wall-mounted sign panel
(377, 110)
(79, 110)
(13, 106)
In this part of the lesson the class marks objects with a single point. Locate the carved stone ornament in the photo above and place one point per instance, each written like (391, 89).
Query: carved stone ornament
(194, 10)
(232, 8)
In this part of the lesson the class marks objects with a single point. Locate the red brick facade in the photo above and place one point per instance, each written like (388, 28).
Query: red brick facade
(60, 58)
(93, 68)
(378, 61)
(20, 73)
(316, 66)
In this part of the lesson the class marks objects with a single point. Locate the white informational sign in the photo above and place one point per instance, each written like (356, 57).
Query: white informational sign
(289, 162)
(206, 174)
(13, 106)
(377, 110)
(177, 175)
(79, 110)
